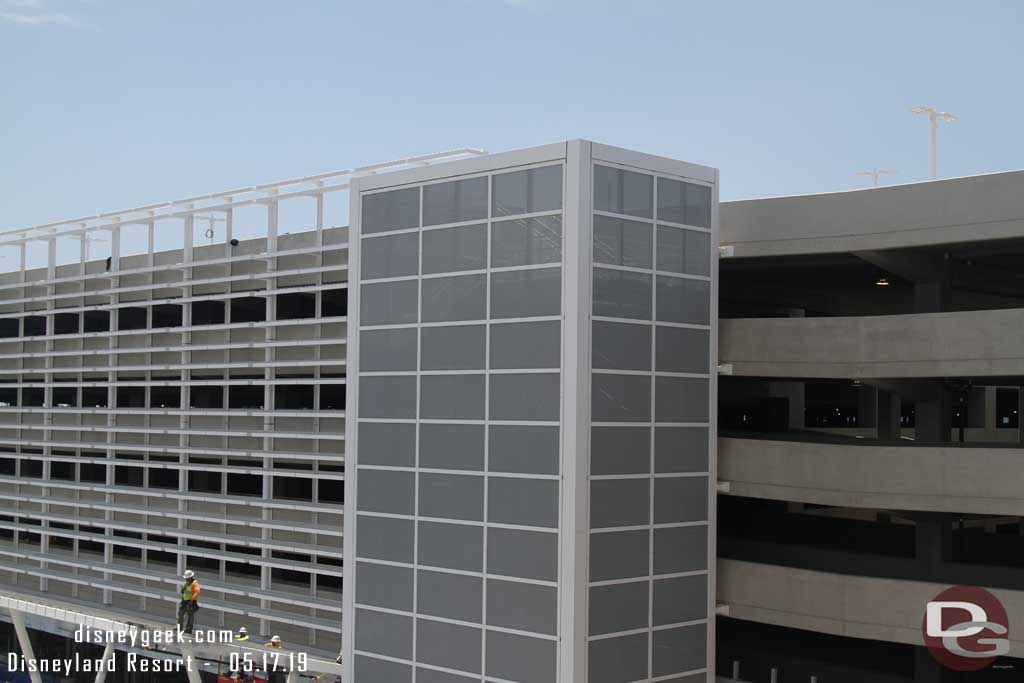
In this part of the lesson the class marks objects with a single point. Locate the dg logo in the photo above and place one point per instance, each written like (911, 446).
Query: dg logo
(965, 628)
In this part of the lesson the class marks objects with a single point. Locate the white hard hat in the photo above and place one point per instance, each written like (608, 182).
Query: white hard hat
(189, 574)
(242, 630)
(276, 639)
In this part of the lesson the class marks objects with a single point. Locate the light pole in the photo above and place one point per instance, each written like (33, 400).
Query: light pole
(874, 173)
(934, 117)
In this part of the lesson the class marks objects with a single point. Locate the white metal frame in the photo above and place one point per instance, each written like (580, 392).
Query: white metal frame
(317, 263)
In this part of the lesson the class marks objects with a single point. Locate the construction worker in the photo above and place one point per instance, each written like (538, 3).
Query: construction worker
(189, 604)
(274, 642)
(242, 635)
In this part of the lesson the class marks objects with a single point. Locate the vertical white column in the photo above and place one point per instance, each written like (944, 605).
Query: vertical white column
(268, 402)
(713, 436)
(576, 338)
(188, 256)
(26, 644)
(48, 403)
(107, 659)
(351, 434)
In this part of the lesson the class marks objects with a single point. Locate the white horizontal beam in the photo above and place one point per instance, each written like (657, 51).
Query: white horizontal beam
(223, 327)
(192, 205)
(112, 274)
(153, 448)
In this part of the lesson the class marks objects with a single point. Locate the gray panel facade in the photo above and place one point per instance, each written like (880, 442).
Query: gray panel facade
(534, 406)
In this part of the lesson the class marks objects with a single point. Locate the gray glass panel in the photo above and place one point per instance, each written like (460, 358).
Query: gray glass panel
(526, 345)
(523, 554)
(683, 301)
(671, 200)
(680, 499)
(680, 599)
(680, 649)
(434, 676)
(452, 397)
(455, 546)
(523, 449)
(383, 585)
(526, 241)
(386, 491)
(452, 496)
(680, 349)
(448, 645)
(387, 303)
(526, 293)
(393, 397)
(681, 202)
(390, 256)
(619, 502)
(395, 210)
(621, 346)
(455, 201)
(622, 242)
(451, 596)
(453, 249)
(383, 443)
(520, 658)
(384, 634)
(384, 538)
(387, 350)
(684, 251)
(452, 446)
(626, 192)
(522, 606)
(698, 205)
(681, 399)
(369, 670)
(619, 607)
(620, 398)
(453, 347)
(619, 555)
(620, 450)
(622, 294)
(461, 297)
(681, 449)
(618, 660)
(680, 549)
(536, 189)
(528, 502)
(525, 397)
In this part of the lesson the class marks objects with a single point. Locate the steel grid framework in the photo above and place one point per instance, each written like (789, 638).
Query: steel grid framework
(141, 448)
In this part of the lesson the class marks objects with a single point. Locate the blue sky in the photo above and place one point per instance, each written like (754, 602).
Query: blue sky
(109, 104)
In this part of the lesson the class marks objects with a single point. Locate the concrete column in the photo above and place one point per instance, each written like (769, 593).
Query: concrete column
(927, 670)
(794, 394)
(867, 406)
(978, 399)
(1020, 414)
(932, 297)
(889, 413)
(933, 413)
(933, 540)
(990, 409)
